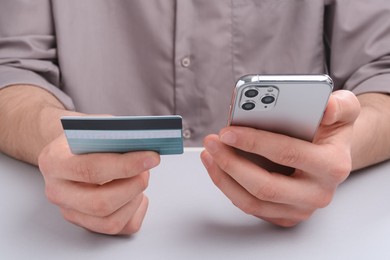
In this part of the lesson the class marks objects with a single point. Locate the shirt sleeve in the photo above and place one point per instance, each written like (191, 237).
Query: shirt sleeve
(358, 33)
(28, 52)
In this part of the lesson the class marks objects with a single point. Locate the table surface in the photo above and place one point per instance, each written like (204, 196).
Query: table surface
(189, 218)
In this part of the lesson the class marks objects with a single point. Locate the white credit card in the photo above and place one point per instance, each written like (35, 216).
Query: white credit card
(120, 134)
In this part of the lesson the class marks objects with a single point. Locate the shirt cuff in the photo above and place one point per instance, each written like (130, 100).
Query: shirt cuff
(14, 76)
(379, 83)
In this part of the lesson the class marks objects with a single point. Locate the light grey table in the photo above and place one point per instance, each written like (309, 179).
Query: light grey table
(189, 218)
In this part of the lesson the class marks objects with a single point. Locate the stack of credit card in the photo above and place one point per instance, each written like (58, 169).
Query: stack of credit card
(162, 134)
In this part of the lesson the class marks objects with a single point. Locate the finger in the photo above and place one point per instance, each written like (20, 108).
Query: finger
(283, 222)
(96, 200)
(263, 185)
(99, 168)
(281, 149)
(125, 220)
(94, 168)
(336, 126)
(329, 161)
(135, 222)
(343, 107)
(245, 201)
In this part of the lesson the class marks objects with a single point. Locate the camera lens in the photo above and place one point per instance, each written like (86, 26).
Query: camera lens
(248, 105)
(267, 99)
(251, 93)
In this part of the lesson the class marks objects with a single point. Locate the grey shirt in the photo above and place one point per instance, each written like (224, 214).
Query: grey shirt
(155, 57)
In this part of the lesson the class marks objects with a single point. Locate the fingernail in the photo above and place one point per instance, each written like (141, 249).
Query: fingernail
(228, 137)
(211, 146)
(150, 162)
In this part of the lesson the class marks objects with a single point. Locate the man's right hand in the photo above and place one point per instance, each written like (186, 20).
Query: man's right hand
(102, 192)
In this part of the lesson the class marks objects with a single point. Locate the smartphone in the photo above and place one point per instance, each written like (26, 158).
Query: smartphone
(292, 105)
(287, 104)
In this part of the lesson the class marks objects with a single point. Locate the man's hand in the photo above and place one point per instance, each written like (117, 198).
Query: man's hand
(285, 200)
(101, 192)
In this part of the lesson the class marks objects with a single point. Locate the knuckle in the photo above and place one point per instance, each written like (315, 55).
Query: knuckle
(135, 223)
(112, 226)
(142, 181)
(133, 227)
(251, 143)
(225, 164)
(250, 207)
(218, 179)
(303, 216)
(101, 207)
(69, 216)
(51, 194)
(340, 167)
(86, 173)
(265, 192)
(322, 199)
(289, 156)
(340, 171)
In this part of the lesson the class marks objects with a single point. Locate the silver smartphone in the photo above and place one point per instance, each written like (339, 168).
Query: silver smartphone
(292, 105)
(287, 104)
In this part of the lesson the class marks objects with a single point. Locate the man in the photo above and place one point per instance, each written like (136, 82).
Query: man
(183, 57)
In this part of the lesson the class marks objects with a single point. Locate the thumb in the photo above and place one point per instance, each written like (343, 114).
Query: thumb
(343, 108)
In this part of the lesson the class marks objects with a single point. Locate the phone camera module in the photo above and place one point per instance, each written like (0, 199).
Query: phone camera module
(251, 93)
(248, 105)
(268, 99)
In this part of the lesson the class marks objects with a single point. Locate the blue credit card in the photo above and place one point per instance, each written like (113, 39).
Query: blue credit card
(120, 134)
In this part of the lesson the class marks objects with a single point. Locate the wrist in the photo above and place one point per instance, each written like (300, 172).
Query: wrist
(49, 123)
(30, 119)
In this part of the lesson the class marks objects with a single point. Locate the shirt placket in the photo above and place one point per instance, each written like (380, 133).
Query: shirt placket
(185, 88)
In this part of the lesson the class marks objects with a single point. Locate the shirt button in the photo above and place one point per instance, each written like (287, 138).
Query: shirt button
(186, 62)
(187, 133)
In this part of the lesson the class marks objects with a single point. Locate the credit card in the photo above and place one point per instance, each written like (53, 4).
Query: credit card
(120, 134)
